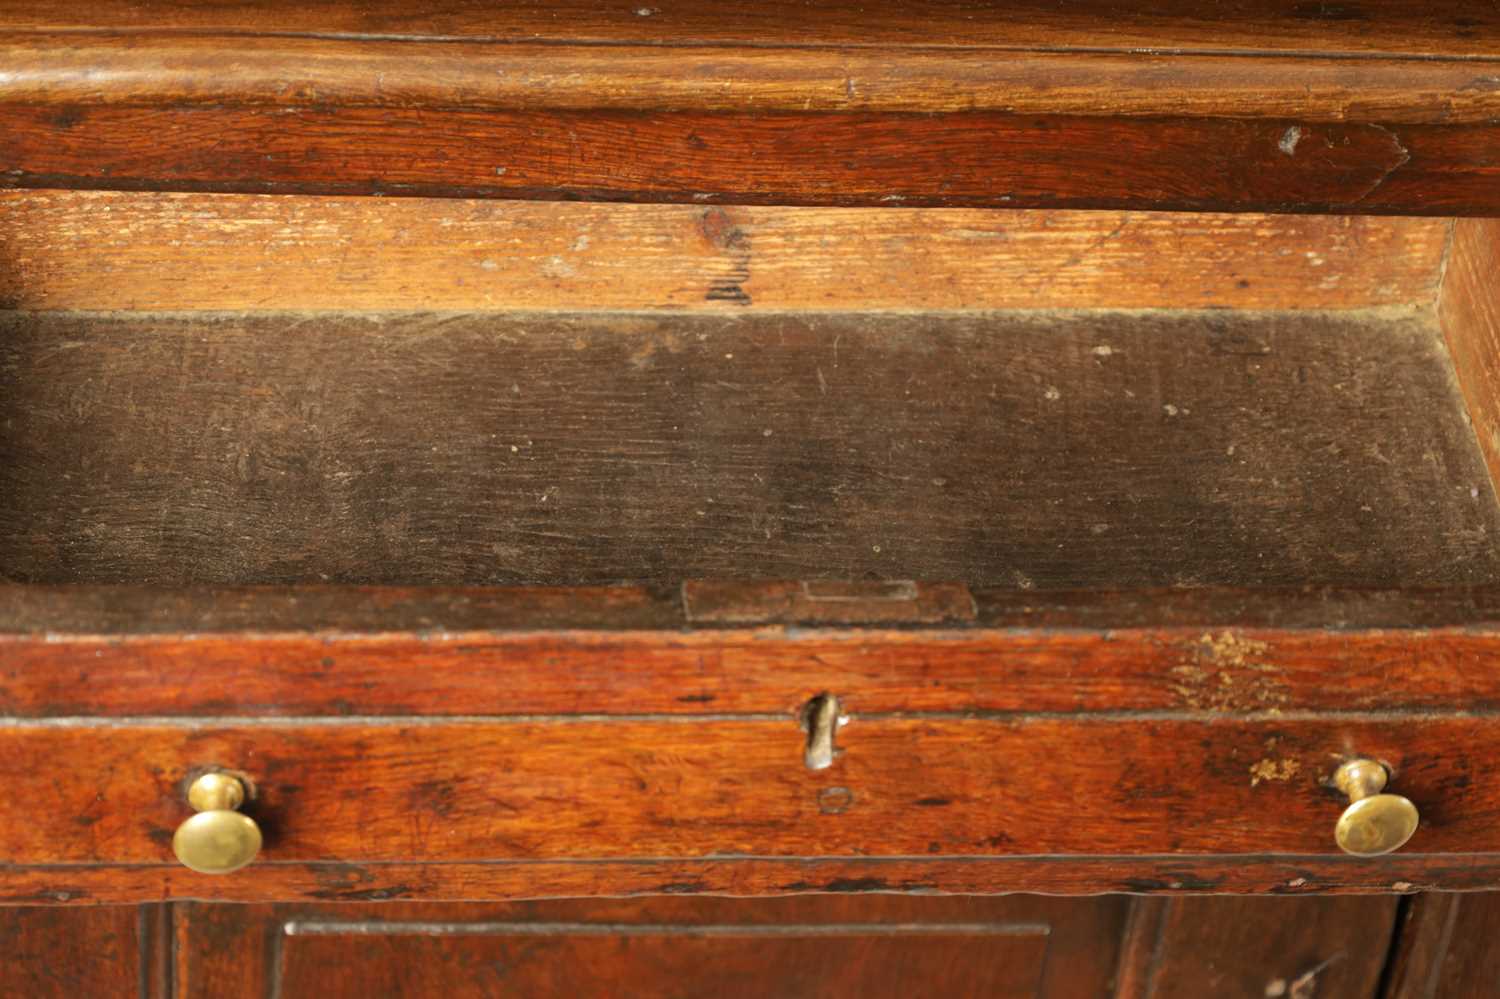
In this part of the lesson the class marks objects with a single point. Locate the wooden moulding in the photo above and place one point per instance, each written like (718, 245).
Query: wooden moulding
(191, 70)
(62, 250)
(346, 881)
(1277, 105)
(1388, 60)
(1440, 29)
(123, 652)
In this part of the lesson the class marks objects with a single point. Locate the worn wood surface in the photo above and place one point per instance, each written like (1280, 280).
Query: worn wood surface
(691, 786)
(113, 251)
(1273, 947)
(1443, 28)
(1424, 932)
(122, 652)
(1277, 104)
(348, 881)
(1469, 308)
(1053, 451)
(968, 159)
(272, 613)
(818, 946)
(282, 70)
(1447, 947)
(114, 952)
(829, 945)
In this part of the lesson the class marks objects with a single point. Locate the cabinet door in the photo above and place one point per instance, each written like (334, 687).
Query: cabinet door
(824, 946)
(829, 946)
(1446, 947)
(102, 952)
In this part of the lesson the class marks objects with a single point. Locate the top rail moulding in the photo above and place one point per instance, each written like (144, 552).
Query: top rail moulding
(1349, 106)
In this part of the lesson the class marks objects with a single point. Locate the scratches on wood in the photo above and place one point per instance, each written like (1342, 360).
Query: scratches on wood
(471, 790)
(963, 159)
(101, 250)
(995, 450)
(1469, 309)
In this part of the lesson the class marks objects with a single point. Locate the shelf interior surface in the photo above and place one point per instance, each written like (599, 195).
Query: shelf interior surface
(1036, 449)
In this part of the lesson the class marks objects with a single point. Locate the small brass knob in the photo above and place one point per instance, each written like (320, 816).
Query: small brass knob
(218, 839)
(1374, 823)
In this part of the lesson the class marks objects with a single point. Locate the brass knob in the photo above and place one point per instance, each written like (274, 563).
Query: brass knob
(1374, 823)
(218, 839)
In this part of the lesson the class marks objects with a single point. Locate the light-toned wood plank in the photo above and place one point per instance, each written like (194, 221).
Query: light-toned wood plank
(101, 250)
(1469, 309)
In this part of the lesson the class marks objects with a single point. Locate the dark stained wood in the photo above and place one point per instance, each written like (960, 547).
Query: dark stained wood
(1140, 946)
(316, 881)
(1424, 930)
(228, 951)
(1442, 28)
(1387, 107)
(269, 613)
(1447, 948)
(1071, 450)
(1274, 947)
(116, 651)
(977, 159)
(531, 789)
(819, 946)
(101, 250)
(103, 951)
(1469, 308)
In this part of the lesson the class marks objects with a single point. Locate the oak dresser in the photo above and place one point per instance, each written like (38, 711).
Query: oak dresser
(492, 487)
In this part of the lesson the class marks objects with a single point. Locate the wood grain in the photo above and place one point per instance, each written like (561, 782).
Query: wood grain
(571, 788)
(1446, 947)
(1469, 309)
(1004, 961)
(1076, 450)
(1388, 107)
(281, 70)
(1424, 930)
(245, 612)
(971, 159)
(669, 946)
(116, 652)
(1269, 947)
(111, 251)
(343, 882)
(107, 951)
(1442, 28)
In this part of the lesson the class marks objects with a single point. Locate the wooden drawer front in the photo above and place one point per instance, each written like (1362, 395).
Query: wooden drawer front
(697, 786)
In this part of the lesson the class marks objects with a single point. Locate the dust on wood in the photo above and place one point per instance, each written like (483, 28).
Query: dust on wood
(998, 449)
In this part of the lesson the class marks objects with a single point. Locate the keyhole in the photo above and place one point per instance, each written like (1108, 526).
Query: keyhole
(820, 717)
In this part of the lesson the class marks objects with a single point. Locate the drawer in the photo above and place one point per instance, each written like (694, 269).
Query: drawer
(1042, 742)
(500, 550)
(694, 786)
